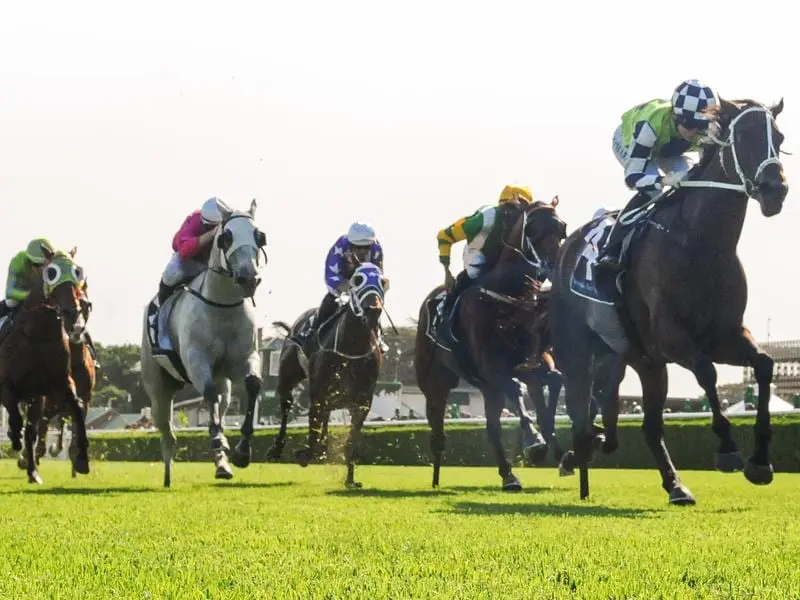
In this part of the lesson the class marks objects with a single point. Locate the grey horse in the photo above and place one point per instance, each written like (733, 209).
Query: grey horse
(213, 333)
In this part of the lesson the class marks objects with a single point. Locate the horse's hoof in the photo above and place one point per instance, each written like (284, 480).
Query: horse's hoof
(240, 459)
(274, 454)
(536, 454)
(610, 446)
(598, 441)
(435, 485)
(758, 474)
(35, 478)
(54, 452)
(728, 462)
(223, 472)
(566, 465)
(22, 463)
(511, 484)
(303, 457)
(81, 465)
(16, 445)
(681, 496)
(353, 485)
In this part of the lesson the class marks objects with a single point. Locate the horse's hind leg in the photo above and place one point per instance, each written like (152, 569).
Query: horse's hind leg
(41, 443)
(31, 430)
(289, 375)
(535, 444)
(436, 385)
(654, 396)
(494, 401)
(56, 448)
(162, 417)
(316, 412)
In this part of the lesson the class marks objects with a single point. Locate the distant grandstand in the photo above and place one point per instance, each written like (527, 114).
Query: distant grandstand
(786, 375)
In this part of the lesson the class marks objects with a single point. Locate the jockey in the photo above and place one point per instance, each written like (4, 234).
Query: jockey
(483, 241)
(23, 273)
(358, 245)
(192, 246)
(654, 137)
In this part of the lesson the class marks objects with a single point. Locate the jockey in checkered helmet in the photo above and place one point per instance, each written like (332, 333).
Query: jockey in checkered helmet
(651, 143)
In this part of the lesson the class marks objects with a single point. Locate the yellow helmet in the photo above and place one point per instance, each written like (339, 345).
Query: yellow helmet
(34, 250)
(516, 192)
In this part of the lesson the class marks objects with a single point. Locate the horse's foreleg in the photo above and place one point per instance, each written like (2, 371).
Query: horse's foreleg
(219, 443)
(357, 417)
(81, 460)
(534, 444)
(31, 430)
(15, 424)
(654, 395)
(316, 410)
(494, 401)
(742, 350)
(242, 453)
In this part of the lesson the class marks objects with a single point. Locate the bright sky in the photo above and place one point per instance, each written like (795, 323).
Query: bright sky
(117, 121)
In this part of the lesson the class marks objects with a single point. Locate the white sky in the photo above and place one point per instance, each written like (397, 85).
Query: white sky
(117, 122)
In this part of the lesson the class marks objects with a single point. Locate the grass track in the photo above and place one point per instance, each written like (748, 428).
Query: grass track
(278, 531)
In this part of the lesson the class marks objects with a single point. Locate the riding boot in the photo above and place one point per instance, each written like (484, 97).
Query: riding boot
(609, 255)
(92, 350)
(461, 284)
(164, 292)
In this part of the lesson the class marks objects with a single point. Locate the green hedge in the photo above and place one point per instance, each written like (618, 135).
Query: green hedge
(691, 443)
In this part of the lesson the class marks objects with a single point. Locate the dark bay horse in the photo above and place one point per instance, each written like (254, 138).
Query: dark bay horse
(35, 359)
(683, 298)
(499, 324)
(342, 366)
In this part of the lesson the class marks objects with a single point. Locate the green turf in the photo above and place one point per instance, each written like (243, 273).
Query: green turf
(279, 531)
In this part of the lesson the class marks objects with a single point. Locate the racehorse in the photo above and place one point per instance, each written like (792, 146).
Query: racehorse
(341, 362)
(212, 330)
(682, 299)
(35, 359)
(83, 372)
(498, 322)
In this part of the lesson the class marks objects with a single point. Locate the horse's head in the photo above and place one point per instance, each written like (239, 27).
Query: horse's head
(536, 236)
(750, 131)
(238, 243)
(62, 281)
(368, 287)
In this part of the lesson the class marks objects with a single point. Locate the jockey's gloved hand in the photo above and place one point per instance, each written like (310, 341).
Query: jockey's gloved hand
(673, 179)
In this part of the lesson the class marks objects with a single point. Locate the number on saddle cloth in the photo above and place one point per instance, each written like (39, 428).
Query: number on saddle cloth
(586, 281)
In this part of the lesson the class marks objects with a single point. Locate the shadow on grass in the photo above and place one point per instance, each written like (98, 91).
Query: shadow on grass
(494, 489)
(377, 493)
(79, 491)
(254, 485)
(483, 509)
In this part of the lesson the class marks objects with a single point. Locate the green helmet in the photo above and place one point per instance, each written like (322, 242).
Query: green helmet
(34, 250)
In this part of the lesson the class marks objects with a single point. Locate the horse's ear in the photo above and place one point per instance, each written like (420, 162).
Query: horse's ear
(777, 108)
(554, 202)
(48, 255)
(253, 206)
(73, 251)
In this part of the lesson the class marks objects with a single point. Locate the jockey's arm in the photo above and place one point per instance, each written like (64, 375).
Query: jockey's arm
(192, 238)
(377, 254)
(18, 275)
(464, 228)
(641, 153)
(335, 267)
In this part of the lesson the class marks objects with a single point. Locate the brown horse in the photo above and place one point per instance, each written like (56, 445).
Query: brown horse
(84, 374)
(35, 359)
(342, 366)
(683, 298)
(497, 319)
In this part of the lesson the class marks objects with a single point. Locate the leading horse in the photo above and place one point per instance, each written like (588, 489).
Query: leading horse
(682, 299)
(499, 325)
(213, 333)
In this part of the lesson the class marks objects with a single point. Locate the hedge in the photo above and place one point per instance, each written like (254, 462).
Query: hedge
(691, 443)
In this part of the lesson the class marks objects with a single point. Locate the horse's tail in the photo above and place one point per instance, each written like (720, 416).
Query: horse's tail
(282, 325)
